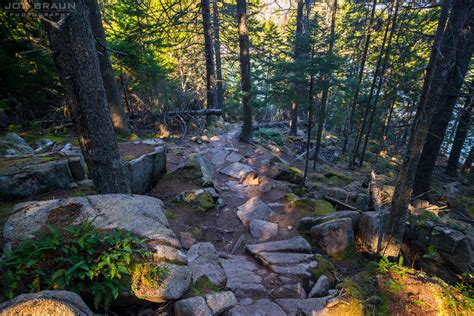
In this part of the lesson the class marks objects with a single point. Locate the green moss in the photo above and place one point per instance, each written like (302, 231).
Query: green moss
(6, 208)
(202, 201)
(323, 207)
(325, 267)
(203, 286)
(336, 178)
(196, 232)
(309, 207)
(170, 215)
(128, 157)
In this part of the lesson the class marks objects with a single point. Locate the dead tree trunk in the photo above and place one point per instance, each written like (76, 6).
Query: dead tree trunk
(395, 225)
(244, 44)
(117, 110)
(217, 48)
(75, 56)
(298, 59)
(327, 78)
(209, 56)
(348, 128)
(460, 44)
(461, 134)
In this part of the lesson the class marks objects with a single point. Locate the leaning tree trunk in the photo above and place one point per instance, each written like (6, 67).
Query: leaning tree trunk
(75, 56)
(460, 44)
(461, 134)
(394, 227)
(348, 127)
(209, 55)
(217, 48)
(244, 44)
(117, 110)
(466, 168)
(298, 59)
(327, 78)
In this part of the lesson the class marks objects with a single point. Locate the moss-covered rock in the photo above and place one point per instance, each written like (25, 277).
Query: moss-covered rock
(201, 199)
(308, 206)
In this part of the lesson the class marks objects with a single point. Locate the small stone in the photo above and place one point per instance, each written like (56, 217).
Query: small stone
(220, 302)
(334, 236)
(86, 183)
(321, 287)
(263, 230)
(263, 307)
(290, 227)
(237, 170)
(254, 208)
(295, 244)
(73, 185)
(234, 157)
(187, 240)
(290, 291)
(192, 307)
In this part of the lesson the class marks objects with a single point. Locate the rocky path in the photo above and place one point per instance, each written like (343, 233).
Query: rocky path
(266, 264)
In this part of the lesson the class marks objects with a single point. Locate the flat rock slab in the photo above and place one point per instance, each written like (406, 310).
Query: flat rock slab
(282, 258)
(192, 306)
(263, 307)
(254, 208)
(46, 303)
(301, 270)
(263, 230)
(309, 306)
(237, 170)
(234, 157)
(295, 244)
(242, 277)
(204, 262)
(220, 302)
(219, 157)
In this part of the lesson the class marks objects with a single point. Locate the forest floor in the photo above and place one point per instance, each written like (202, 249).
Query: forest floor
(364, 285)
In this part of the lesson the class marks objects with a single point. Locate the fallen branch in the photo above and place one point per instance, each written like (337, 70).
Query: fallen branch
(336, 201)
(203, 112)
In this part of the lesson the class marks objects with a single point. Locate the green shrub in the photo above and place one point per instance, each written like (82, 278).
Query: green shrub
(77, 258)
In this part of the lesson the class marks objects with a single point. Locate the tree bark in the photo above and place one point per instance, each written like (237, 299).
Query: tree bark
(461, 134)
(244, 44)
(298, 59)
(117, 111)
(460, 43)
(348, 128)
(217, 48)
(466, 168)
(75, 56)
(395, 225)
(211, 94)
(327, 78)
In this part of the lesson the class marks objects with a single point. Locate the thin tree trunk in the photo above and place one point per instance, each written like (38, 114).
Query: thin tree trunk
(408, 127)
(395, 225)
(217, 48)
(461, 134)
(327, 79)
(75, 56)
(460, 44)
(381, 80)
(466, 168)
(244, 44)
(348, 128)
(355, 150)
(117, 111)
(310, 126)
(298, 59)
(209, 56)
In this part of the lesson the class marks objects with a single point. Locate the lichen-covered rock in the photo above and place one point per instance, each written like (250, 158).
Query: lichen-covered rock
(204, 262)
(285, 172)
(201, 199)
(237, 170)
(221, 301)
(321, 288)
(263, 230)
(204, 167)
(46, 303)
(368, 230)
(306, 223)
(193, 306)
(334, 236)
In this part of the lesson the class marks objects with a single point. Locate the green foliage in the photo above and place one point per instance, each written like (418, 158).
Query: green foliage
(76, 258)
(204, 286)
(432, 253)
(170, 214)
(272, 134)
(385, 266)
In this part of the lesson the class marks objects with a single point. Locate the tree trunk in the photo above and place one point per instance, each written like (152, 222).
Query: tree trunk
(395, 225)
(355, 151)
(217, 48)
(298, 58)
(76, 59)
(244, 44)
(460, 43)
(117, 110)
(209, 56)
(381, 81)
(327, 78)
(466, 168)
(461, 134)
(348, 128)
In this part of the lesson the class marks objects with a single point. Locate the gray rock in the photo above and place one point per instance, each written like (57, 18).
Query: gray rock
(219, 157)
(237, 170)
(220, 302)
(154, 142)
(306, 223)
(202, 199)
(309, 306)
(321, 287)
(162, 252)
(301, 270)
(284, 172)
(242, 278)
(46, 303)
(284, 258)
(77, 167)
(15, 139)
(263, 307)
(143, 172)
(254, 208)
(294, 290)
(204, 261)
(263, 230)
(446, 239)
(368, 230)
(294, 244)
(194, 306)
(234, 157)
(336, 193)
(207, 172)
(334, 236)
(86, 183)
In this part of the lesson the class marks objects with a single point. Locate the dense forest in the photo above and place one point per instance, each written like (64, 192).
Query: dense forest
(237, 157)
